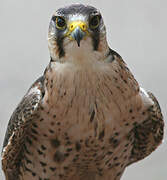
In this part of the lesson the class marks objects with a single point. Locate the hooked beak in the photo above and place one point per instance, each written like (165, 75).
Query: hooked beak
(77, 31)
(78, 35)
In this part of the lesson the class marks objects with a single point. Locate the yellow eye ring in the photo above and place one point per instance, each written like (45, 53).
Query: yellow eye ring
(94, 22)
(60, 23)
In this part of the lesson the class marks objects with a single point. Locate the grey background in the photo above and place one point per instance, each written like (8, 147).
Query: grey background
(136, 29)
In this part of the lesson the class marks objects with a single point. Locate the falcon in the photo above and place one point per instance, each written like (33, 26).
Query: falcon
(86, 117)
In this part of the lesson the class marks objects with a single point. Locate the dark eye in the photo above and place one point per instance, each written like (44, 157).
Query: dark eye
(94, 22)
(60, 23)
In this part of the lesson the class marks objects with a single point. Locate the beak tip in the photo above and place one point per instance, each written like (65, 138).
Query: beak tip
(78, 42)
(78, 35)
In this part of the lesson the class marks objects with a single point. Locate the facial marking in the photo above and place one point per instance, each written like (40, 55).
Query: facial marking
(79, 26)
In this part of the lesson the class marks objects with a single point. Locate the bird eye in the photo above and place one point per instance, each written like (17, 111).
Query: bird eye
(94, 22)
(60, 23)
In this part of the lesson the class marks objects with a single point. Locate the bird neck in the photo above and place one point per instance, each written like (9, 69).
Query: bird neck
(84, 54)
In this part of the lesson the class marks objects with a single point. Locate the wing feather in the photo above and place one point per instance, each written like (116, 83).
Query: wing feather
(149, 134)
(18, 125)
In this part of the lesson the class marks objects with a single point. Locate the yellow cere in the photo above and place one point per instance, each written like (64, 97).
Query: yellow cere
(81, 24)
(74, 24)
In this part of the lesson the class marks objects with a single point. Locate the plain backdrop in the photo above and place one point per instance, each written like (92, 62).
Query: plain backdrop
(136, 29)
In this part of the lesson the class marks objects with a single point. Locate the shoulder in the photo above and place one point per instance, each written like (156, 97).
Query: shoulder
(26, 108)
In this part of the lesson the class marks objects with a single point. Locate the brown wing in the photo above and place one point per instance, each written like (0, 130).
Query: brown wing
(149, 134)
(19, 122)
(146, 134)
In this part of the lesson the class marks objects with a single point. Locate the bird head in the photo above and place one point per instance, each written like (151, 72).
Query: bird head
(76, 29)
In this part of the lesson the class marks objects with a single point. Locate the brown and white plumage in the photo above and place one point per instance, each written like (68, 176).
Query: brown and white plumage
(86, 117)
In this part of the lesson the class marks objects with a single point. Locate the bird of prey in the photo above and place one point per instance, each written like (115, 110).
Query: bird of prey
(86, 117)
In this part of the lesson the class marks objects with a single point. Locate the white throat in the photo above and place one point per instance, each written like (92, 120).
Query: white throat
(84, 54)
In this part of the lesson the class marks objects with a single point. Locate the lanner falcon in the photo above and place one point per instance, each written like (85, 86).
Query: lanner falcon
(86, 117)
